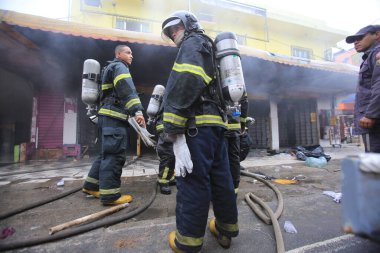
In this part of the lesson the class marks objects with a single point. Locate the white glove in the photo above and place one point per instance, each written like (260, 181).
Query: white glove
(370, 162)
(183, 161)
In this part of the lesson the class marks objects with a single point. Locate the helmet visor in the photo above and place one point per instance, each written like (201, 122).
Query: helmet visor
(169, 28)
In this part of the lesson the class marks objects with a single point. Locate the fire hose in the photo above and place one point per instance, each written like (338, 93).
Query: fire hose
(74, 231)
(250, 198)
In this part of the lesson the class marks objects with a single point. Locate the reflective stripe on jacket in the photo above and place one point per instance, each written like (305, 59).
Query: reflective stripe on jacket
(192, 73)
(119, 97)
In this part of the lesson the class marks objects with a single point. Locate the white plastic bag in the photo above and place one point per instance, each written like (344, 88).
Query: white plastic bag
(289, 227)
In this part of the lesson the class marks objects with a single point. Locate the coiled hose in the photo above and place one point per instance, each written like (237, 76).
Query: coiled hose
(271, 218)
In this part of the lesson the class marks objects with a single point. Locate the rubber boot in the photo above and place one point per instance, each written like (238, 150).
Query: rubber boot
(96, 194)
(223, 240)
(165, 189)
(122, 200)
(172, 243)
(172, 182)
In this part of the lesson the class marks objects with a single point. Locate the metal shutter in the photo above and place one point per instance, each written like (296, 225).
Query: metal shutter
(50, 108)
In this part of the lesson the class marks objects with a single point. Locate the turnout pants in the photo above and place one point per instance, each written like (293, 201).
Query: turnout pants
(210, 181)
(233, 147)
(167, 160)
(372, 141)
(104, 175)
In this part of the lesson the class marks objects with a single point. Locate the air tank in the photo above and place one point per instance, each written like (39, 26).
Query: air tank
(90, 78)
(231, 72)
(155, 102)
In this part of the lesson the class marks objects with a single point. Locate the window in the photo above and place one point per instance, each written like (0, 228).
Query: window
(301, 52)
(132, 25)
(241, 39)
(204, 16)
(328, 54)
(95, 3)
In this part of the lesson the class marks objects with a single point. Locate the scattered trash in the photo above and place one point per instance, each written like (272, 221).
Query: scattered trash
(302, 153)
(286, 167)
(337, 196)
(316, 162)
(8, 231)
(35, 227)
(285, 181)
(299, 177)
(289, 227)
(61, 183)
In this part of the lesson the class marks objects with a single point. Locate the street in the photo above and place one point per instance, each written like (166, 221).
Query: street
(316, 217)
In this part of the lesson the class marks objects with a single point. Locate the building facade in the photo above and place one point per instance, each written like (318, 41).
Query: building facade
(285, 75)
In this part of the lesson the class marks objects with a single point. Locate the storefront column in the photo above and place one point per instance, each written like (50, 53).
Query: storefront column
(274, 142)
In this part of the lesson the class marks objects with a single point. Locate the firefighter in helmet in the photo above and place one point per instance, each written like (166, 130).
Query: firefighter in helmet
(195, 124)
(236, 128)
(119, 100)
(165, 153)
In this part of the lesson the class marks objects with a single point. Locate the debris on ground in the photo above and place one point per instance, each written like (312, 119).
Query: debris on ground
(337, 196)
(302, 153)
(8, 231)
(316, 162)
(289, 227)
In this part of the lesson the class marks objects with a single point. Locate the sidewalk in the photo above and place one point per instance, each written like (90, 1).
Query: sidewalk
(316, 217)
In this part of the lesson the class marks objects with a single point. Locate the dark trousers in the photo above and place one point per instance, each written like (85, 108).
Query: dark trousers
(167, 160)
(105, 173)
(233, 148)
(210, 181)
(372, 142)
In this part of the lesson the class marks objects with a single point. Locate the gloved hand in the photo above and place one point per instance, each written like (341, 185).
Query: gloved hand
(139, 117)
(183, 163)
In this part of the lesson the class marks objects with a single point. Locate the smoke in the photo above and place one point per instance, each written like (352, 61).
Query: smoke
(272, 78)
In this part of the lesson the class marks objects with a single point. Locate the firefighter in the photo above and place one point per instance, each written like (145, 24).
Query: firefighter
(236, 127)
(195, 125)
(165, 153)
(118, 101)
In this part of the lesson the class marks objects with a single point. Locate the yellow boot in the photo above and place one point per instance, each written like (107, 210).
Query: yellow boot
(172, 243)
(223, 240)
(96, 194)
(122, 200)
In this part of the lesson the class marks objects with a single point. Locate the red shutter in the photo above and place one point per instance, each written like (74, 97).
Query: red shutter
(50, 120)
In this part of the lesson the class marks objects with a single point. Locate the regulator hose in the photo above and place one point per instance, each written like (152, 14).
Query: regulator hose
(250, 198)
(82, 229)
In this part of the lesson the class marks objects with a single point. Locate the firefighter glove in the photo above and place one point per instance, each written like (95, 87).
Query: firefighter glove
(183, 163)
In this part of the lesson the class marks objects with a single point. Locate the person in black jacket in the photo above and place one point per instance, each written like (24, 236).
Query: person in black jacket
(367, 102)
(193, 122)
(118, 101)
(236, 127)
(165, 153)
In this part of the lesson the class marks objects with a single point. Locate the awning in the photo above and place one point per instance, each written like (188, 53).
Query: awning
(88, 31)
(78, 29)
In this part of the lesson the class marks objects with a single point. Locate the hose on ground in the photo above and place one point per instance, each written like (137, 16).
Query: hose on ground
(269, 217)
(38, 203)
(68, 233)
(48, 200)
(82, 229)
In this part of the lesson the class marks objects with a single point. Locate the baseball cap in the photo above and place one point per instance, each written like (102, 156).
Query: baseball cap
(360, 34)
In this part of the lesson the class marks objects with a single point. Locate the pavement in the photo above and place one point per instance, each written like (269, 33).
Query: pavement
(316, 217)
